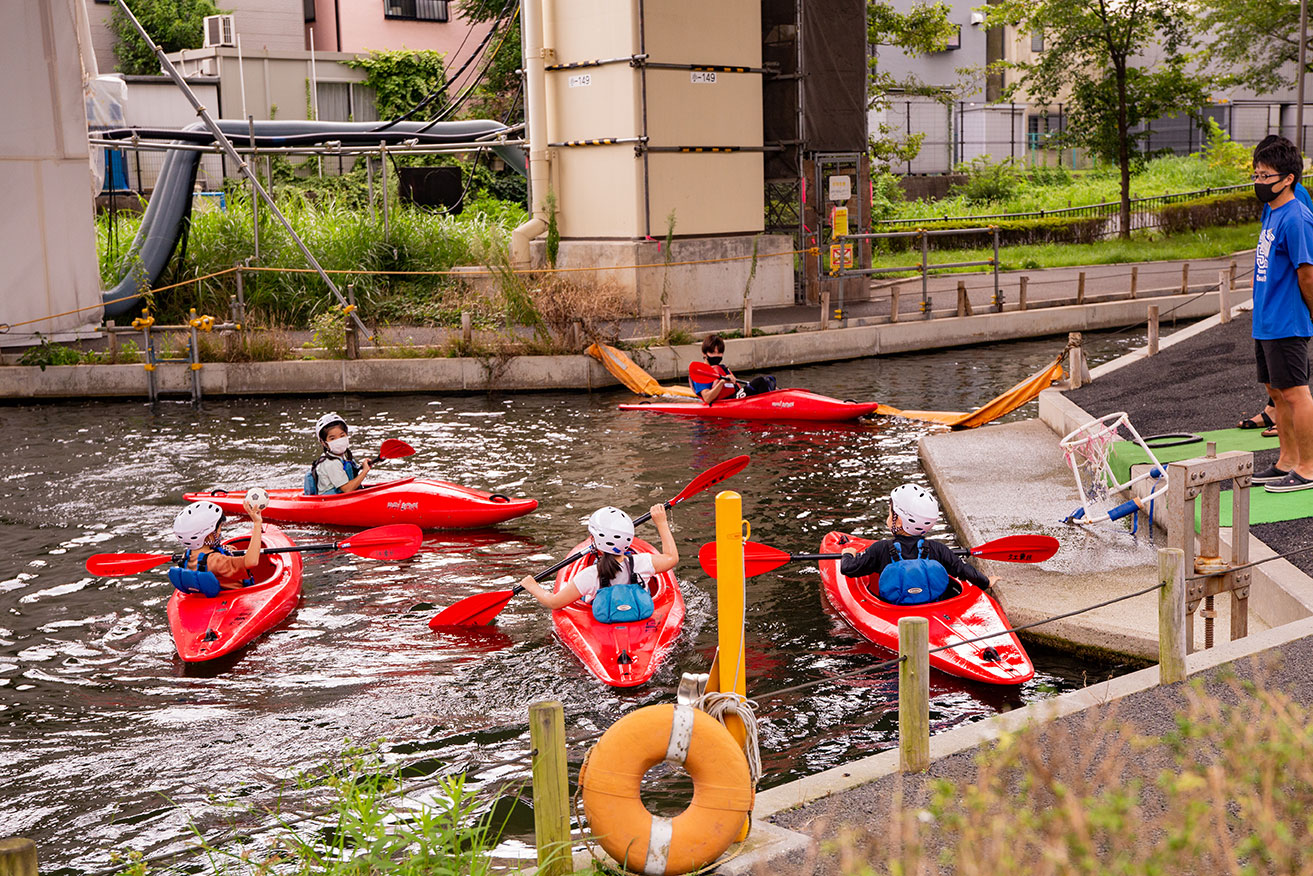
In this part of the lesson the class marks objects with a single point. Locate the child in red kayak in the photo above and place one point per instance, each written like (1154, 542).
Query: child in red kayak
(913, 512)
(713, 353)
(207, 566)
(612, 532)
(336, 471)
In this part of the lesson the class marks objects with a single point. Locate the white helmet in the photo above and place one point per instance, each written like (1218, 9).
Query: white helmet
(915, 508)
(612, 530)
(195, 523)
(328, 420)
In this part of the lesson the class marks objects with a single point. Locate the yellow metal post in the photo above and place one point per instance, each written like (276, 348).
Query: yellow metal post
(729, 672)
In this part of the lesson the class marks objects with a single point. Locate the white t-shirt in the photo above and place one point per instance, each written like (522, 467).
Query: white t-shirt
(331, 474)
(586, 580)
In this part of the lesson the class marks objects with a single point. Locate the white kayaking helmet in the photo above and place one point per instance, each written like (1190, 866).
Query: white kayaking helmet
(327, 420)
(612, 530)
(195, 523)
(915, 508)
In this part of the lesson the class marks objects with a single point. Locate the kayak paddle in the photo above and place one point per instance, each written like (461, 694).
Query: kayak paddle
(760, 558)
(482, 608)
(708, 373)
(392, 449)
(395, 542)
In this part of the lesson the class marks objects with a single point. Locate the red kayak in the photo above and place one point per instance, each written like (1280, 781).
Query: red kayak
(208, 627)
(621, 655)
(427, 504)
(969, 615)
(779, 405)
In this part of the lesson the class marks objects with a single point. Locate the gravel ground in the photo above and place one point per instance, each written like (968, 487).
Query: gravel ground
(1204, 383)
(866, 810)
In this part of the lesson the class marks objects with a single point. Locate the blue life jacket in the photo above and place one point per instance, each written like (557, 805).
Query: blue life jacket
(623, 603)
(312, 480)
(201, 581)
(913, 582)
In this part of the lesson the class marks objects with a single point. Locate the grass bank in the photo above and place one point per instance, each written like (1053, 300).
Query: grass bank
(1202, 244)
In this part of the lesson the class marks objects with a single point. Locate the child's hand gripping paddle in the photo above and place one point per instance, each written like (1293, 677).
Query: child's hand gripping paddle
(395, 542)
(482, 608)
(761, 558)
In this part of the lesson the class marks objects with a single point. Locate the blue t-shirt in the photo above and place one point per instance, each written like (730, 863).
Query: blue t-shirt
(1284, 243)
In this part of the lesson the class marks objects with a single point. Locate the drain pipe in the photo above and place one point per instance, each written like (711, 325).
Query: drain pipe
(535, 104)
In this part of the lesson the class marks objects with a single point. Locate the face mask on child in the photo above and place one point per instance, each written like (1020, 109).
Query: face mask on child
(338, 446)
(714, 360)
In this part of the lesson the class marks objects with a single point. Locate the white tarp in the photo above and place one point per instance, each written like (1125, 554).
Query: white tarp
(47, 236)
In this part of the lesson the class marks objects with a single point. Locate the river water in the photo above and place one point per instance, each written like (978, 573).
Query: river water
(109, 743)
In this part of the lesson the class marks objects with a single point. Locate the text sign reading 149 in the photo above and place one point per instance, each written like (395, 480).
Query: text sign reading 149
(583, 80)
(702, 77)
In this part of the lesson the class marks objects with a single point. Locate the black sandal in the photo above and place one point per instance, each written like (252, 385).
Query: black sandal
(1249, 423)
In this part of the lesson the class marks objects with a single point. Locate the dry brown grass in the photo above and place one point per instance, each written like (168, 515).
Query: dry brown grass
(1230, 790)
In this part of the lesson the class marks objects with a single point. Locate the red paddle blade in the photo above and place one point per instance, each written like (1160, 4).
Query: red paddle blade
(473, 611)
(110, 565)
(712, 476)
(394, 449)
(1018, 549)
(395, 542)
(703, 371)
(757, 558)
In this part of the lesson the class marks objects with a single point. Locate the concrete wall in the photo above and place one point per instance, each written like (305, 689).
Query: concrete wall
(363, 28)
(47, 240)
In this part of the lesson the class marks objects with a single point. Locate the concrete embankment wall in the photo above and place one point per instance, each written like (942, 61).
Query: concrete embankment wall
(794, 346)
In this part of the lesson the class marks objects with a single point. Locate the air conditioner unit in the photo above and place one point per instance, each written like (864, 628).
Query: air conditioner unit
(220, 31)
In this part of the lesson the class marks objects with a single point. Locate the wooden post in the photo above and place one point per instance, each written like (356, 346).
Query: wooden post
(551, 788)
(893, 303)
(1224, 295)
(1076, 360)
(747, 317)
(1021, 297)
(1080, 288)
(963, 300)
(825, 309)
(466, 327)
(1233, 272)
(1153, 329)
(665, 320)
(1135, 280)
(913, 694)
(352, 339)
(113, 341)
(1185, 278)
(1171, 616)
(17, 857)
(194, 360)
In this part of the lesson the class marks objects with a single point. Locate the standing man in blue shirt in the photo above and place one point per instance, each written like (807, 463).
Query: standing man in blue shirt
(1283, 312)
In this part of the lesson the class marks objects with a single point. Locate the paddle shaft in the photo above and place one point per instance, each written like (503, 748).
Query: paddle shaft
(961, 552)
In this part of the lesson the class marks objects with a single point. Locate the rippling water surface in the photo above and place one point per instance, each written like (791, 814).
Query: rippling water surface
(110, 743)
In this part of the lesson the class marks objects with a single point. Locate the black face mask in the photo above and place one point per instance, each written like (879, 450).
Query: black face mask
(1264, 192)
(714, 360)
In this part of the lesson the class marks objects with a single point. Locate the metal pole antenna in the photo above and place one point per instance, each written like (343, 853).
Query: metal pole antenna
(242, 165)
(1299, 83)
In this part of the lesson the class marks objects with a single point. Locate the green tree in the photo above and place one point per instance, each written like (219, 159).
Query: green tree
(925, 28)
(1254, 43)
(498, 93)
(402, 79)
(1115, 63)
(174, 24)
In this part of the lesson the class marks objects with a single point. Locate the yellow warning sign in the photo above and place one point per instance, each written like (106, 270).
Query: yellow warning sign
(847, 249)
(839, 222)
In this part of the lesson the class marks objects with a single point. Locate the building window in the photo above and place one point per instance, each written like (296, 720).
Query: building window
(1037, 42)
(309, 10)
(346, 102)
(954, 39)
(416, 10)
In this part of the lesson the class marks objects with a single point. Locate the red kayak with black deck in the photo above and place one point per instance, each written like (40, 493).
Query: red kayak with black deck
(780, 405)
(205, 628)
(621, 655)
(953, 621)
(426, 503)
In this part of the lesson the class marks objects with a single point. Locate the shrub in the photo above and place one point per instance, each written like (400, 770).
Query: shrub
(886, 195)
(329, 331)
(1220, 151)
(47, 353)
(1233, 208)
(988, 181)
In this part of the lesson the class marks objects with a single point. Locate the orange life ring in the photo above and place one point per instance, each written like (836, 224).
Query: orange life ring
(722, 790)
